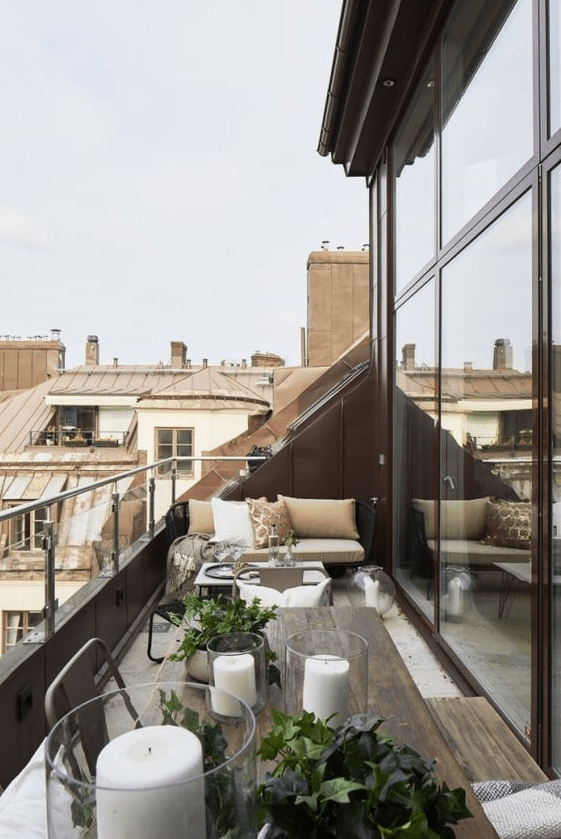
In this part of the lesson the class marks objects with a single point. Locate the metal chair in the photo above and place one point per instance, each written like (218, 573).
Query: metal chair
(167, 611)
(80, 680)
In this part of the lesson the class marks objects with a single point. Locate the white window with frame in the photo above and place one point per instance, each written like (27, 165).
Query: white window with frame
(16, 625)
(27, 530)
(175, 442)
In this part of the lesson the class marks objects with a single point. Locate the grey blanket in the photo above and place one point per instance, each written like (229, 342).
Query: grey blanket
(522, 811)
(186, 554)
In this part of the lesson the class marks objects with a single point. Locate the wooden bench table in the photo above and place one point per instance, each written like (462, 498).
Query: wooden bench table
(392, 694)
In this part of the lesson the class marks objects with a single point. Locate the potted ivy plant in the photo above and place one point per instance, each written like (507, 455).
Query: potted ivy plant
(350, 782)
(205, 619)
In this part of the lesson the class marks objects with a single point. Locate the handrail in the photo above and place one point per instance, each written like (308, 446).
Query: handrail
(29, 506)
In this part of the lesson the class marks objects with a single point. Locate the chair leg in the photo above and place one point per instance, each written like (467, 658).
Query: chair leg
(150, 631)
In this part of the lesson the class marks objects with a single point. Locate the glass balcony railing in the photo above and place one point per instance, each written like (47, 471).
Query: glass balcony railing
(53, 546)
(86, 562)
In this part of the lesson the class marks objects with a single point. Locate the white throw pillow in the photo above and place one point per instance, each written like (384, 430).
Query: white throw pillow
(231, 521)
(316, 595)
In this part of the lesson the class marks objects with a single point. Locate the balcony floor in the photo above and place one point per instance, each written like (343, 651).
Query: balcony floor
(426, 671)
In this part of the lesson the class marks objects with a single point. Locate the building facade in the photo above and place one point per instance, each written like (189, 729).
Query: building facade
(452, 113)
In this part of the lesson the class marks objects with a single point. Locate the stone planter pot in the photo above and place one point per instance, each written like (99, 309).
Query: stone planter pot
(197, 666)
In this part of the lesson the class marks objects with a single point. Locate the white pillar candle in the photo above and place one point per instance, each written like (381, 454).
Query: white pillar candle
(326, 687)
(145, 786)
(234, 674)
(371, 589)
(455, 597)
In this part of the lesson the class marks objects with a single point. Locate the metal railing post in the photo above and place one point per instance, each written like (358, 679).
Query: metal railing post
(50, 599)
(173, 480)
(151, 494)
(115, 552)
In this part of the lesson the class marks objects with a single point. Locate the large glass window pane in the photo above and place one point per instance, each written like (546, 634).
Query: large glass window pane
(486, 458)
(414, 452)
(486, 105)
(415, 185)
(555, 238)
(554, 65)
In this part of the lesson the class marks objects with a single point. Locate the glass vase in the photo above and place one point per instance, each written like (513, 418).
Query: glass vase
(151, 761)
(237, 665)
(326, 671)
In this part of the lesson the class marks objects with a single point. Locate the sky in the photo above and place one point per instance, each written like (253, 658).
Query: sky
(159, 174)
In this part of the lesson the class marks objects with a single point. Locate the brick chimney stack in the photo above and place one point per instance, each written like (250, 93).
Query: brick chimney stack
(502, 354)
(92, 351)
(408, 356)
(178, 355)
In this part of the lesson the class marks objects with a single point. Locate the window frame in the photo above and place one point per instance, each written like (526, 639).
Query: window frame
(184, 469)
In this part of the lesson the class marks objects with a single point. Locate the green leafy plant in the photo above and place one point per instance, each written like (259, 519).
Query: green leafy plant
(221, 795)
(350, 782)
(291, 539)
(218, 616)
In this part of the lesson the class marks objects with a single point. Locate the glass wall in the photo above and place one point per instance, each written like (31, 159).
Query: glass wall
(554, 66)
(463, 463)
(555, 251)
(486, 458)
(415, 451)
(415, 185)
(487, 126)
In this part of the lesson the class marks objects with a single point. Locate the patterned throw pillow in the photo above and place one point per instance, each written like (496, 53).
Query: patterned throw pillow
(264, 514)
(508, 524)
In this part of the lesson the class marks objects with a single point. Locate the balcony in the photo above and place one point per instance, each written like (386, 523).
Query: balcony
(73, 437)
(114, 603)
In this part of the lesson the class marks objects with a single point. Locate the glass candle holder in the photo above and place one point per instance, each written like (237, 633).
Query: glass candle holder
(378, 587)
(326, 672)
(237, 665)
(148, 761)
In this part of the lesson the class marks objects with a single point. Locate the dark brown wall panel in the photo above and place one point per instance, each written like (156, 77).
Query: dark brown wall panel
(316, 454)
(359, 434)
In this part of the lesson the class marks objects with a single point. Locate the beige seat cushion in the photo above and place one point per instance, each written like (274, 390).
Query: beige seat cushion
(201, 519)
(327, 551)
(467, 552)
(322, 518)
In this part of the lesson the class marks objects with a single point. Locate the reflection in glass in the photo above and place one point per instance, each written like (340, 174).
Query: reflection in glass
(555, 238)
(554, 65)
(415, 186)
(414, 455)
(486, 106)
(486, 458)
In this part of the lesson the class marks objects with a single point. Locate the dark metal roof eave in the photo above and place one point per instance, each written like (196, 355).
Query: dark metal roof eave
(377, 40)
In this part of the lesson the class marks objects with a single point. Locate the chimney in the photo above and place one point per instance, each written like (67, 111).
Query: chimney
(502, 354)
(178, 355)
(92, 351)
(408, 356)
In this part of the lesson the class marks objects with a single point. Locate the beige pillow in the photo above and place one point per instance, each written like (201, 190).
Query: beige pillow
(509, 524)
(322, 518)
(463, 519)
(264, 514)
(201, 519)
